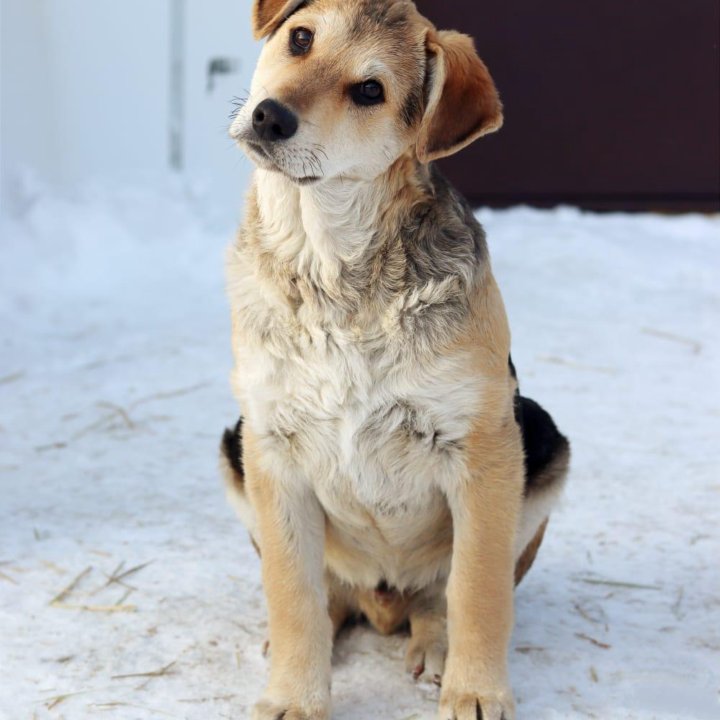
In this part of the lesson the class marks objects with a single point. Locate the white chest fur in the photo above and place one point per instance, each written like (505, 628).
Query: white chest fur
(354, 412)
(376, 445)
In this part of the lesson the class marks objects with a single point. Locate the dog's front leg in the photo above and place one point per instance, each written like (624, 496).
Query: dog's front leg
(291, 528)
(485, 507)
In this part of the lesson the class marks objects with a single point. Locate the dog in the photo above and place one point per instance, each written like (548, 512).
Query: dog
(385, 464)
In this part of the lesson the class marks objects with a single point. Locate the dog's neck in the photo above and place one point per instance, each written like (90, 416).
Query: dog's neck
(323, 228)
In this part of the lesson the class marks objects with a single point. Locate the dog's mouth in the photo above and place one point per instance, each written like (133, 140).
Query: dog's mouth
(268, 162)
(258, 149)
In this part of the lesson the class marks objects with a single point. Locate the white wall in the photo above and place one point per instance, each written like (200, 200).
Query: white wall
(25, 92)
(86, 91)
(84, 87)
(110, 77)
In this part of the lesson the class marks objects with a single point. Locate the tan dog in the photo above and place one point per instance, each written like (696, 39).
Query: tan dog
(386, 465)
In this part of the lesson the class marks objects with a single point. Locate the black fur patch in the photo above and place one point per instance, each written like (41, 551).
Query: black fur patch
(413, 106)
(517, 405)
(541, 439)
(232, 447)
(511, 364)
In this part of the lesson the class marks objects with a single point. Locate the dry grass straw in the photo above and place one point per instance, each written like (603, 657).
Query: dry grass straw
(68, 589)
(695, 346)
(7, 578)
(592, 640)
(97, 608)
(616, 583)
(56, 700)
(165, 670)
(117, 576)
(119, 704)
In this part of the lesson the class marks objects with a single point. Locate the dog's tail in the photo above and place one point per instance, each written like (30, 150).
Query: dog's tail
(233, 472)
(231, 453)
(547, 460)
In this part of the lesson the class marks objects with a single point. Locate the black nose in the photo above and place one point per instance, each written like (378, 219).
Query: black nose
(273, 121)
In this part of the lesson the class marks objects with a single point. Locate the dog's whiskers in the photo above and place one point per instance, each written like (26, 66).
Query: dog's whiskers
(238, 104)
(303, 163)
(316, 161)
(320, 149)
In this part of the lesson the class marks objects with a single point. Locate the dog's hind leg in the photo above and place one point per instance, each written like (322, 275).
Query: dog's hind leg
(547, 458)
(342, 602)
(428, 644)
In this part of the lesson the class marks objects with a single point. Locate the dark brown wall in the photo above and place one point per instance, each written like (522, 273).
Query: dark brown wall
(608, 104)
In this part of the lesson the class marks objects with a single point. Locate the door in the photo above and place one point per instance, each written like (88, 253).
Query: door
(219, 59)
(612, 104)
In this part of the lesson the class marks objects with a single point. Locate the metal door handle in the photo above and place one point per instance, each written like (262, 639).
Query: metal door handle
(220, 66)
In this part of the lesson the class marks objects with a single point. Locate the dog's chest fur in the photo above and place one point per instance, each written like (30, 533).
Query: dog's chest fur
(340, 372)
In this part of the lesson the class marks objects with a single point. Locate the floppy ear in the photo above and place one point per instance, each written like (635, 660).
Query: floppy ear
(463, 102)
(268, 15)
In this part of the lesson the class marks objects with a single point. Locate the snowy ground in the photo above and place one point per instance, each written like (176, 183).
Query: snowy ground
(113, 392)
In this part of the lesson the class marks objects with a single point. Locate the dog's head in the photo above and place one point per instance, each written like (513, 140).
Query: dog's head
(343, 88)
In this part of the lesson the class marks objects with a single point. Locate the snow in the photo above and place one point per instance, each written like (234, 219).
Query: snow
(114, 391)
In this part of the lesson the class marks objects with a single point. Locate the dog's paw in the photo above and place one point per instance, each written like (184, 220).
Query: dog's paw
(425, 658)
(268, 710)
(476, 706)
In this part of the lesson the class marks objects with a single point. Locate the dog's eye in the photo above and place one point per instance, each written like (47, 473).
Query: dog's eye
(301, 40)
(369, 92)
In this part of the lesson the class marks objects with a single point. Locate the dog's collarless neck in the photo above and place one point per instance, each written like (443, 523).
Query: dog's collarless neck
(331, 225)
